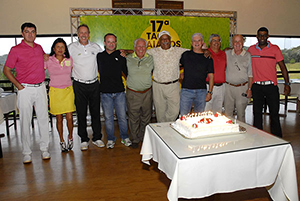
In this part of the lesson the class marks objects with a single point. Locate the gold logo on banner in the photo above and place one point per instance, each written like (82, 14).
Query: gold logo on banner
(157, 25)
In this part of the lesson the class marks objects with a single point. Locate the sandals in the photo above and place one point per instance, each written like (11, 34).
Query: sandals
(70, 144)
(63, 147)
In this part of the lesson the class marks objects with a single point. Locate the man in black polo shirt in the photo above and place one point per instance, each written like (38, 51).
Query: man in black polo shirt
(111, 65)
(196, 68)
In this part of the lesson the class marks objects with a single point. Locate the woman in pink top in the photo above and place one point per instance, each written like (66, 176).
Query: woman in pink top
(61, 93)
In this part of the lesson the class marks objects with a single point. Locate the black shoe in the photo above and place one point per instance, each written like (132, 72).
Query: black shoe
(135, 145)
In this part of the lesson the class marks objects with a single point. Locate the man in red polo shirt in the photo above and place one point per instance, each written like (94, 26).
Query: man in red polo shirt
(219, 58)
(27, 59)
(265, 56)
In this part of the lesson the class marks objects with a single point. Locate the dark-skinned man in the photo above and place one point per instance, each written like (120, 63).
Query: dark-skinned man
(264, 57)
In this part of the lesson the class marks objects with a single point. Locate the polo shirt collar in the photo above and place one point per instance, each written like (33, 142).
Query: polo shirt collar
(134, 55)
(216, 53)
(242, 53)
(257, 47)
(23, 42)
(167, 49)
(83, 45)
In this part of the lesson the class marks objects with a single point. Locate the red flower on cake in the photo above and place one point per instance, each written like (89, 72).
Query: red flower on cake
(229, 121)
(201, 120)
(216, 115)
(209, 120)
(205, 120)
(195, 126)
(183, 118)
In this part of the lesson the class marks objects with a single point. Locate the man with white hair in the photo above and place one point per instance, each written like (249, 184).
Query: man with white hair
(166, 87)
(139, 90)
(196, 68)
(238, 79)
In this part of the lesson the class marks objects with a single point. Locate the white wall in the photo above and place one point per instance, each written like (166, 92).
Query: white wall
(53, 17)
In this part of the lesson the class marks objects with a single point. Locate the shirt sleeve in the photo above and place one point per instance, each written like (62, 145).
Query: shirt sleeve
(151, 51)
(183, 50)
(45, 65)
(11, 59)
(182, 61)
(124, 68)
(278, 54)
(99, 48)
(71, 59)
(211, 66)
(249, 65)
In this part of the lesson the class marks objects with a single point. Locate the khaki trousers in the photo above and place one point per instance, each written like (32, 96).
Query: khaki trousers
(166, 99)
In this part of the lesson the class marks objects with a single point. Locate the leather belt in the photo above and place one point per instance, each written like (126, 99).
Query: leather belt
(216, 84)
(141, 92)
(264, 82)
(166, 82)
(237, 85)
(32, 85)
(86, 81)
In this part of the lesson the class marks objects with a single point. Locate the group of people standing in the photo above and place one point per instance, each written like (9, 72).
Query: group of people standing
(236, 76)
(152, 77)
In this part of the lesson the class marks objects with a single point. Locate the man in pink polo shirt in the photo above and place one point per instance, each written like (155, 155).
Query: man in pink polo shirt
(265, 56)
(27, 59)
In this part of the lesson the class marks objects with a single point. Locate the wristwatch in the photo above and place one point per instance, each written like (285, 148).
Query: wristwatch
(287, 83)
(210, 92)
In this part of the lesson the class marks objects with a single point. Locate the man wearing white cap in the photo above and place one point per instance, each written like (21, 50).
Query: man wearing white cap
(166, 89)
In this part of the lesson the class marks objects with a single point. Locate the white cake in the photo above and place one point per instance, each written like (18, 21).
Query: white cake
(203, 124)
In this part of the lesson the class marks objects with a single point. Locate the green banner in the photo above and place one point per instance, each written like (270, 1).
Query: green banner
(130, 27)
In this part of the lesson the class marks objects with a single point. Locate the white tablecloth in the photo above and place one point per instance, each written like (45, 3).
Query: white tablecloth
(8, 103)
(202, 167)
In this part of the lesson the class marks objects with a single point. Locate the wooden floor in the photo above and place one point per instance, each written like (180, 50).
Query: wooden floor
(102, 174)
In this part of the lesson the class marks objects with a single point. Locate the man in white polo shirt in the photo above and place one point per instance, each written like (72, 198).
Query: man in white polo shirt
(86, 86)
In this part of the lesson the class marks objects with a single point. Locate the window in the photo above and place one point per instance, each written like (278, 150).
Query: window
(283, 43)
(290, 48)
(127, 3)
(7, 43)
(165, 5)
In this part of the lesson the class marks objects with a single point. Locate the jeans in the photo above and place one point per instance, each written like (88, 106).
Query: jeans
(270, 93)
(117, 101)
(188, 96)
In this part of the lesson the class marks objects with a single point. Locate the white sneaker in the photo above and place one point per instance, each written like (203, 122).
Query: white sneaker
(84, 146)
(27, 159)
(46, 155)
(126, 142)
(110, 144)
(99, 143)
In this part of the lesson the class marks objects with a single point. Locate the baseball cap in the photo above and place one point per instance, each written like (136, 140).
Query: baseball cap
(163, 33)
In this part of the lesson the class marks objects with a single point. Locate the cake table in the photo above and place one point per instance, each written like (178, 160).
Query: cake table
(199, 168)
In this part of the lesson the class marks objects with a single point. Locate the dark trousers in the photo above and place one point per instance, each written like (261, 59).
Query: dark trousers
(270, 93)
(87, 95)
(139, 109)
